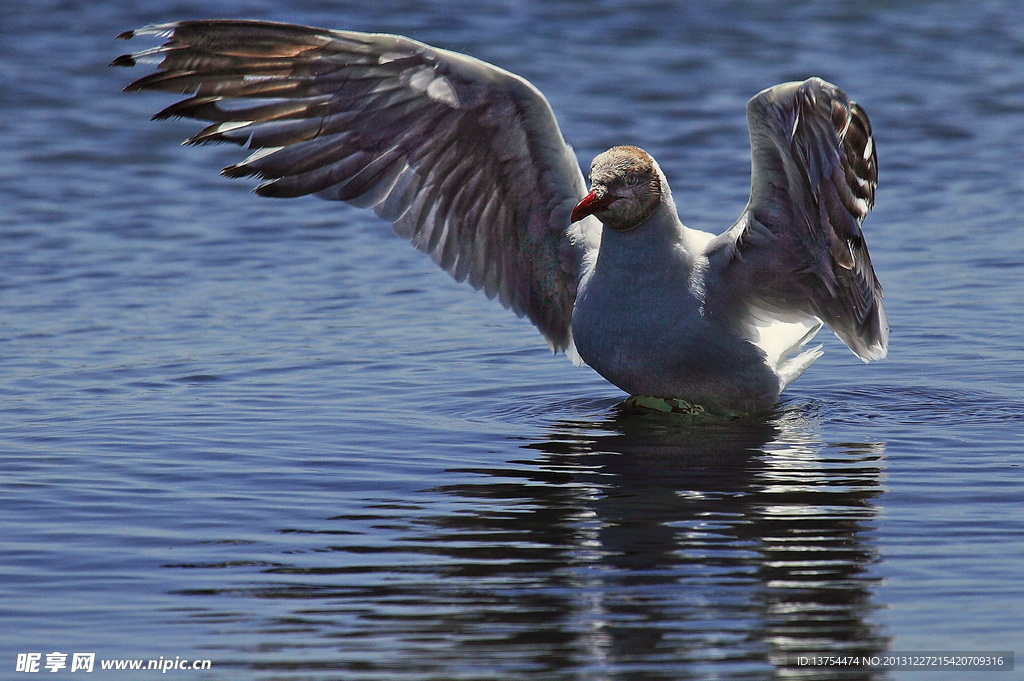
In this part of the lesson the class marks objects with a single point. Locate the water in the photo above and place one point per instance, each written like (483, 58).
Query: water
(272, 435)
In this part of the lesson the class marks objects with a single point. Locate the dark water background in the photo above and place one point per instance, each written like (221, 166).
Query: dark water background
(271, 434)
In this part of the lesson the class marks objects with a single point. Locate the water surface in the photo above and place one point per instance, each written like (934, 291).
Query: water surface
(272, 435)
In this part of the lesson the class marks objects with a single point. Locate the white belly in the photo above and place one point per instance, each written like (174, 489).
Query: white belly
(644, 331)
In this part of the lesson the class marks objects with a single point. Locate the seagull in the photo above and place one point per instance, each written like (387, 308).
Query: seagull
(467, 162)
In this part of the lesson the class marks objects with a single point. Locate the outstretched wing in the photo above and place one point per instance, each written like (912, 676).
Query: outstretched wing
(798, 246)
(464, 159)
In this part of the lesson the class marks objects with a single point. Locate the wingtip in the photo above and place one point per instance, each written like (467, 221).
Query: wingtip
(200, 140)
(124, 60)
(158, 30)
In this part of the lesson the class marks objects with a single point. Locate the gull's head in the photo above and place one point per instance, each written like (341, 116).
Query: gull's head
(625, 189)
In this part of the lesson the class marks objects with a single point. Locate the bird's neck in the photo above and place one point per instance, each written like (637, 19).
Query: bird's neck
(658, 243)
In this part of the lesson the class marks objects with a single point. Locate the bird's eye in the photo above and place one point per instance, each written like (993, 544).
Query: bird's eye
(632, 179)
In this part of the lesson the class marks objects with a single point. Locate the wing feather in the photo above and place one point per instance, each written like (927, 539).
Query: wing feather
(798, 245)
(466, 160)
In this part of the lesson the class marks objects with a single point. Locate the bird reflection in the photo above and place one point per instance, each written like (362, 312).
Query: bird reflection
(635, 546)
(734, 545)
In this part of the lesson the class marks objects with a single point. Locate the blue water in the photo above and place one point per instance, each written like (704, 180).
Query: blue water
(272, 435)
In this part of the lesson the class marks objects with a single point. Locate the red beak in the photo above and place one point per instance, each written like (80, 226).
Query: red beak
(591, 204)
